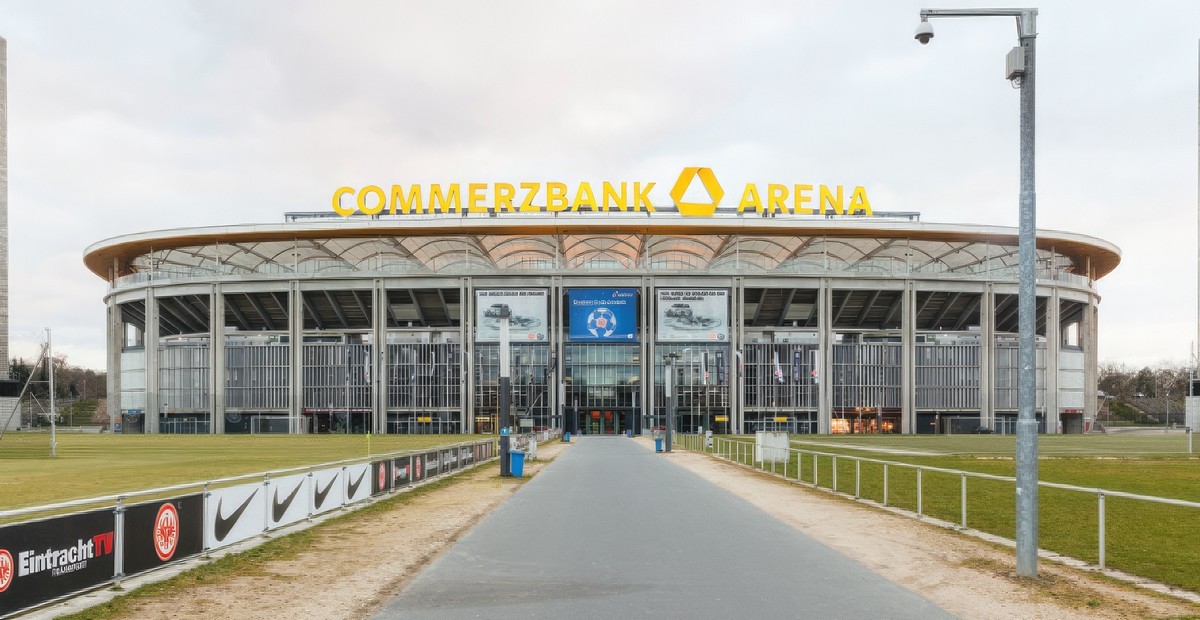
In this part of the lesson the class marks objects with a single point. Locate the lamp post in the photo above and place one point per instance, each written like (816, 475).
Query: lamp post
(669, 385)
(1167, 406)
(505, 391)
(1020, 66)
(53, 409)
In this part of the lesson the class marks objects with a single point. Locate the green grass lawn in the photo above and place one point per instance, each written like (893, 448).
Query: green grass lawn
(93, 465)
(1152, 540)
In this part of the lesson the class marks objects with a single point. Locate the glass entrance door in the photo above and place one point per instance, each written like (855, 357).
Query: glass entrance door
(602, 384)
(613, 421)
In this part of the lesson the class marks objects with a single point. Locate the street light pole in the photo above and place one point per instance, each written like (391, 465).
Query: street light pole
(53, 409)
(1021, 65)
(505, 392)
(669, 384)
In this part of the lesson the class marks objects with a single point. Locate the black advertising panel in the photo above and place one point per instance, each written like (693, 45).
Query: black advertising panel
(401, 472)
(449, 460)
(418, 467)
(163, 531)
(47, 559)
(432, 464)
(381, 480)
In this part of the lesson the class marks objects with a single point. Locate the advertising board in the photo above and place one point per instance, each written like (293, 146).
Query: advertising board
(43, 560)
(355, 476)
(401, 471)
(235, 514)
(163, 531)
(527, 310)
(693, 315)
(381, 481)
(603, 314)
(432, 464)
(289, 499)
(327, 492)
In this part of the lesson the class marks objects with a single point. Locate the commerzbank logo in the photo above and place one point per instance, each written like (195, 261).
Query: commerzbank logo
(696, 192)
(711, 186)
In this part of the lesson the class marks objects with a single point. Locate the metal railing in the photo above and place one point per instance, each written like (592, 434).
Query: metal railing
(745, 453)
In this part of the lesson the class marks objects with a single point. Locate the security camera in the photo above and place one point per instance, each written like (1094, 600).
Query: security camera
(924, 33)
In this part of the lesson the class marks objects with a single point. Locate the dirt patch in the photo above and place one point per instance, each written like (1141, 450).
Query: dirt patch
(967, 577)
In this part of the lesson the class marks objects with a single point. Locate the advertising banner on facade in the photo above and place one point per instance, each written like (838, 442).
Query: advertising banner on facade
(603, 314)
(235, 514)
(381, 482)
(356, 475)
(527, 310)
(163, 531)
(289, 499)
(47, 559)
(328, 490)
(401, 471)
(691, 315)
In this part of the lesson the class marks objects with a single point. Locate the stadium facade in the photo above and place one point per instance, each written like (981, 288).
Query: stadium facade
(809, 313)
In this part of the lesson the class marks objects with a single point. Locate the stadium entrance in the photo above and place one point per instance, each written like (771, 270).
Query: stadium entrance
(603, 382)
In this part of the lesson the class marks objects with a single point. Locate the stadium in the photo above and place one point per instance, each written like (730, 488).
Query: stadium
(799, 309)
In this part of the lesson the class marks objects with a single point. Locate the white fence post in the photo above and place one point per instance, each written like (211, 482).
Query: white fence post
(919, 513)
(885, 484)
(834, 472)
(1100, 500)
(857, 478)
(964, 501)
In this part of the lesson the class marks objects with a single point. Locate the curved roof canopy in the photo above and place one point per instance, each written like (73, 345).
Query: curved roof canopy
(446, 244)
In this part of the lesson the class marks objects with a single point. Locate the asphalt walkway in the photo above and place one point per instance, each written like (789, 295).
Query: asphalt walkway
(611, 530)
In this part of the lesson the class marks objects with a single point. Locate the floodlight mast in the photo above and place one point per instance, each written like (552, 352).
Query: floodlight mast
(1027, 426)
(53, 411)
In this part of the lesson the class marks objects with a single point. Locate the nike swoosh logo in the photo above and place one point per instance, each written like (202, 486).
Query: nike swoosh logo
(321, 493)
(279, 508)
(354, 485)
(224, 524)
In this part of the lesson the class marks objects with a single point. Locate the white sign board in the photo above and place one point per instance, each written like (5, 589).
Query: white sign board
(691, 315)
(358, 485)
(527, 314)
(235, 514)
(327, 494)
(771, 447)
(289, 499)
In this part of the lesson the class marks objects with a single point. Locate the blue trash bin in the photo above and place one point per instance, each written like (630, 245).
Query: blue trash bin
(658, 444)
(629, 433)
(566, 437)
(517, 463)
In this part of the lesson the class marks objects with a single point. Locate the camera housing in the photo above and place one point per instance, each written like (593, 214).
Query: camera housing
(924, 32)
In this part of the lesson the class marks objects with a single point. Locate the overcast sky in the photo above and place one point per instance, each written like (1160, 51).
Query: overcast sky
(127, 117)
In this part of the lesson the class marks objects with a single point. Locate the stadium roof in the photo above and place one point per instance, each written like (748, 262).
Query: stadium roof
(431, 243)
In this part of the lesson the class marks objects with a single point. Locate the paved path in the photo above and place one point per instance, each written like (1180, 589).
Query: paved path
(613, 530)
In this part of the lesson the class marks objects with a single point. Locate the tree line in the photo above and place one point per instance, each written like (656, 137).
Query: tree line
(70, 382)
(1122, 386)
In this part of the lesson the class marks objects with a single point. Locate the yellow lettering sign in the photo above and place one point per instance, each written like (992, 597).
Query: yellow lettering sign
(625, 196)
